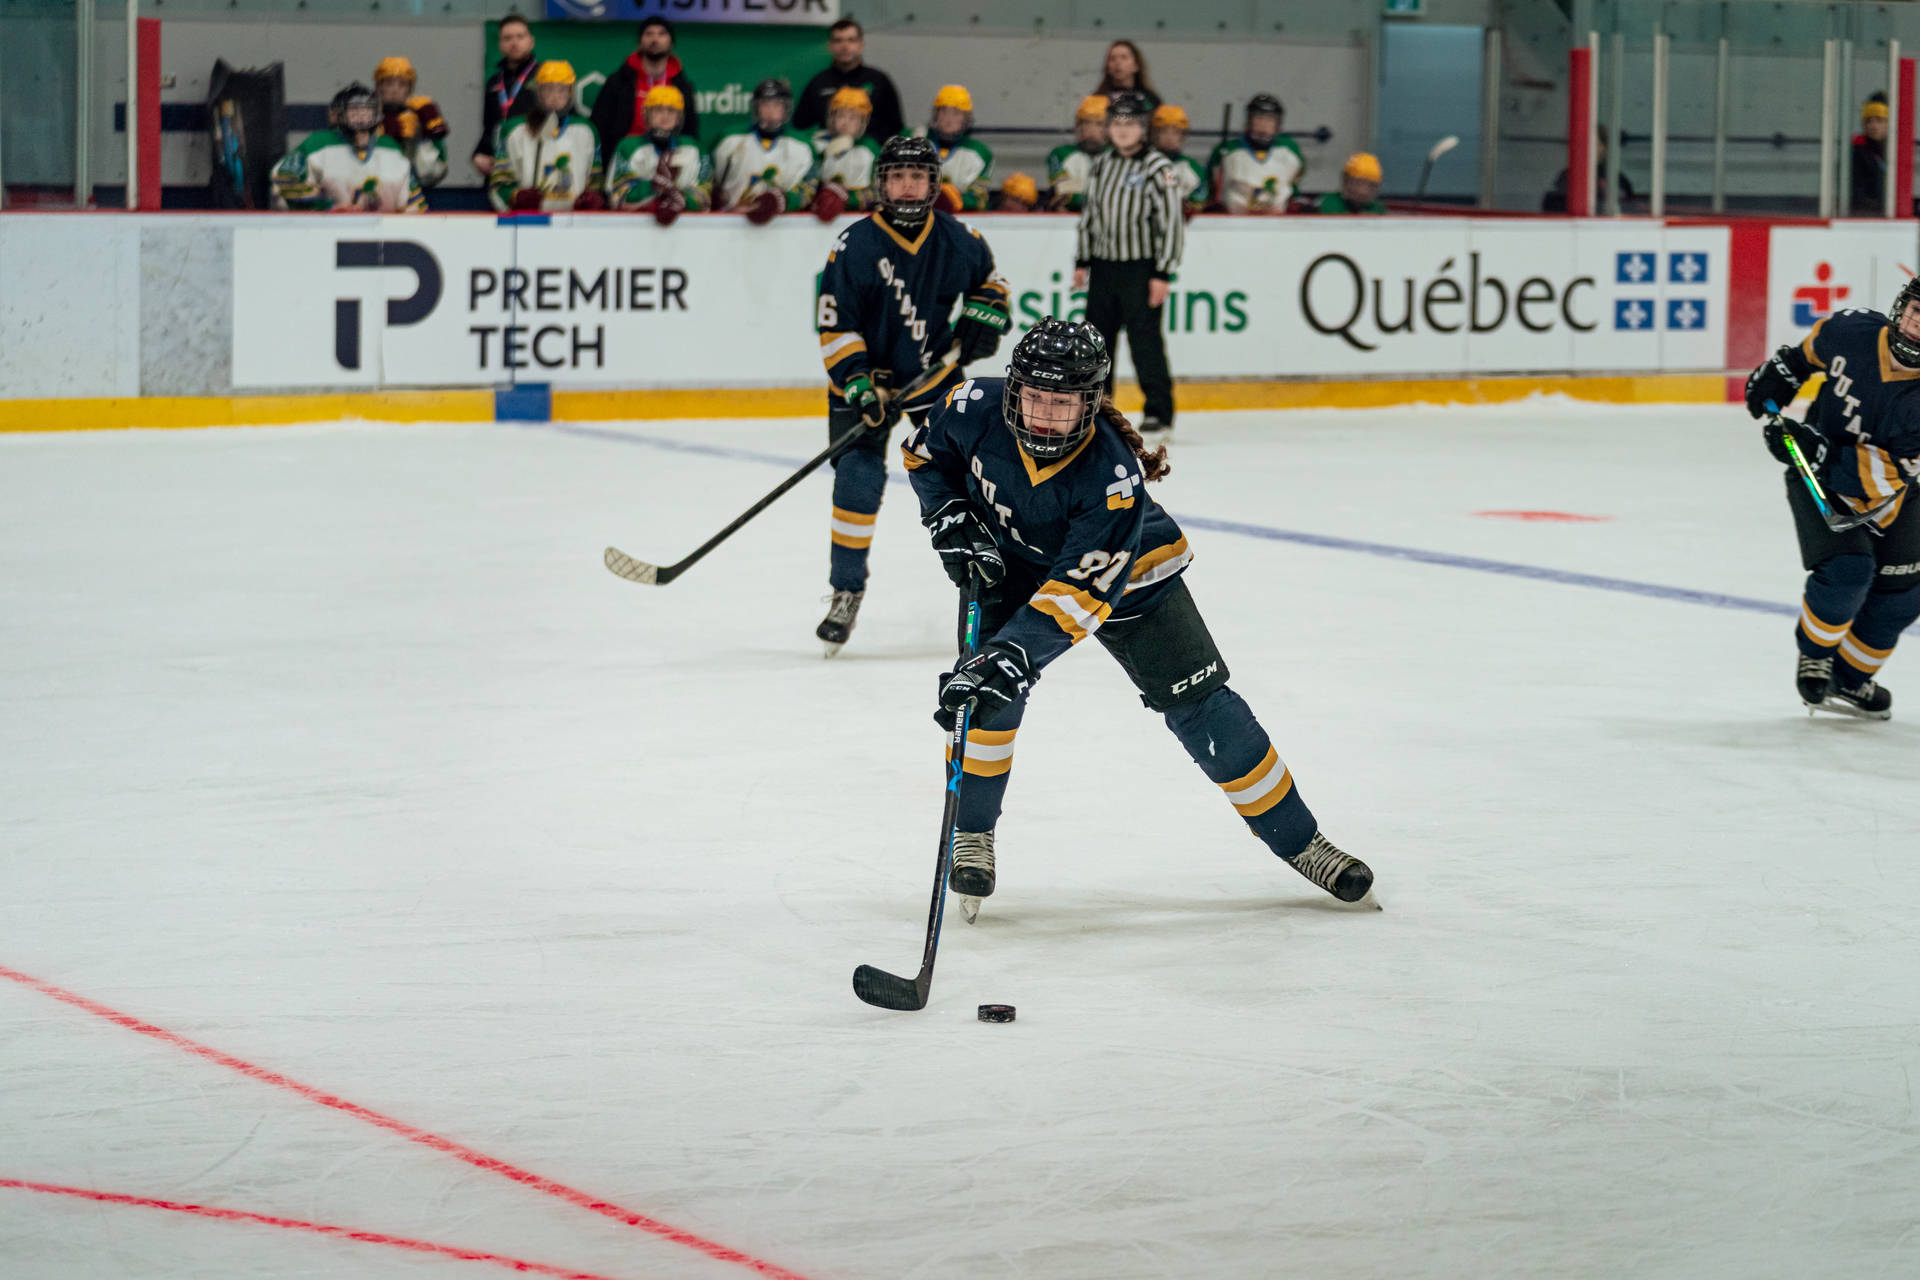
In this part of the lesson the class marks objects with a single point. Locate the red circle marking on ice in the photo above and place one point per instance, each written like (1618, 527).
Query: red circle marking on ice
(1563, 517)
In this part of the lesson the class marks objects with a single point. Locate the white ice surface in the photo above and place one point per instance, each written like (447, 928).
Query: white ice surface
(335, 748)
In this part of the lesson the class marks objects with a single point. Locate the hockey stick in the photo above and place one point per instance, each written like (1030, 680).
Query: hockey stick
(877, 986)
(625, 566)
(1835, 521)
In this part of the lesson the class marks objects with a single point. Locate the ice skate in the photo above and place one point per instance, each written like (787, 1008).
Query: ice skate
(1156, 433)
(838, 624)
(972, 873)
(1340, 874)
(1813, 679)
(1864, 701)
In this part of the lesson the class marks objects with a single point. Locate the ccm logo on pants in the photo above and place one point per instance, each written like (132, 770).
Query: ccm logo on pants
(1212, 668)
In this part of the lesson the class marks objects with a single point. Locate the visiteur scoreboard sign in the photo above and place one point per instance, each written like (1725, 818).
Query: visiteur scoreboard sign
(610, 301)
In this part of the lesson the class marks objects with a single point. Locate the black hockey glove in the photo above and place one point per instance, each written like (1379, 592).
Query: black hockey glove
(865, 401)
(980, 326)
(1812, 444)
(992, 679)
(965, 544)
(1779, 376)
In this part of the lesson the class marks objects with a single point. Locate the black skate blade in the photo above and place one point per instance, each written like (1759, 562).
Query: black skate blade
(883, 990)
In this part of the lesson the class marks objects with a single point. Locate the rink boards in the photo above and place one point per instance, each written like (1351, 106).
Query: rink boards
(210, 319)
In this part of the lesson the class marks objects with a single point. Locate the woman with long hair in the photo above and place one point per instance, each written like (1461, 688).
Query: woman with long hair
(1126, 68)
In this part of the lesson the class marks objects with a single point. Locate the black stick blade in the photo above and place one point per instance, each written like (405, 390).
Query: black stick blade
(885, 991)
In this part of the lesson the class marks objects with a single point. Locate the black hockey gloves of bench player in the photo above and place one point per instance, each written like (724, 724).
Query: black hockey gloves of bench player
(1779, 376)
(980, 326)
(965, 544)
(992, 679)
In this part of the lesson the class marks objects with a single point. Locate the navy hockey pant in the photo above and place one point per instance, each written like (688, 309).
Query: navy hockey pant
(1168, 654)
(1862, 589)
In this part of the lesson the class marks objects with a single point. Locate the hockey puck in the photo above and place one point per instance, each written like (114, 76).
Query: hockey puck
(996, 1013)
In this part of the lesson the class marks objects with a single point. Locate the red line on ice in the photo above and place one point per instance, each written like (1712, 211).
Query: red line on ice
(295, 1224)
(432, 1141)
(1567, 517)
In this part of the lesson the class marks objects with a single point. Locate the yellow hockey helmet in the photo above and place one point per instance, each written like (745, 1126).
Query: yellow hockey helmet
(1363, 166)
(1092, 107)
(954, 95)
(664, 95)
(1021, 187)
(1169, 116)
(395, 68)
(555, 72)
(851, 99)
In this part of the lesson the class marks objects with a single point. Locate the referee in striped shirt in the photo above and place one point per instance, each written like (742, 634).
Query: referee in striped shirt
(1131, 234)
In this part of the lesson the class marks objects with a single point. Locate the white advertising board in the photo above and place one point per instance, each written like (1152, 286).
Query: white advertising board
(714, 302)
(1814, 271)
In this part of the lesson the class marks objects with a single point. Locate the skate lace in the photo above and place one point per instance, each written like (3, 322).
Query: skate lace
(1862, 692)
(1322, 862)
(973, 850)
(1819, 668)
(845, 606)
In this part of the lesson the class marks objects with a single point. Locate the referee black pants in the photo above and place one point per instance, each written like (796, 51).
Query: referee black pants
(1117, 299)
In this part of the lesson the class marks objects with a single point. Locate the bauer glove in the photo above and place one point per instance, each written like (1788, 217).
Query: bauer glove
(865, 401)
(980, 327)
(965, 544)
(992, 680)
(1777, 379)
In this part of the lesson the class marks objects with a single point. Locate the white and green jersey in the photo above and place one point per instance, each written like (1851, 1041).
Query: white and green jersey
(1253, 181)
(784, 162)
(635, 174)
(1190, 180)
(966, 166)
(1067, 170)
(326, 172)
(849, 162)
(559, 157)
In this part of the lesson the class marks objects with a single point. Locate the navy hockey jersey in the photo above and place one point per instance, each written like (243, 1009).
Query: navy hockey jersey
(1085, 525)
(1868, 408)
(885, 300)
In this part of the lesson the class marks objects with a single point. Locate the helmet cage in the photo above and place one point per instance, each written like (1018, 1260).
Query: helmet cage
(1047, 446)
(1056, 356)
(1902, 348)
(907, 213)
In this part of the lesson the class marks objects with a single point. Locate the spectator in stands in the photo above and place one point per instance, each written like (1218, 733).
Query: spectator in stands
(1068, 163)
(1555, 201)
(1170, 125)
(1868, 199)
(1126, 68)
(847, 156)
(348, 167)
(618, 111)
(509, 89)
(847, 45)
(1359, 187)
(1259, 171)
(414, 123)
(966, 164)
(1017, 194)
(663, 171)
(549, 161)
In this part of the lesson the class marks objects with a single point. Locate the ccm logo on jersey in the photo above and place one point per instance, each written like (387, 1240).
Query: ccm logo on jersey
(1197, 678)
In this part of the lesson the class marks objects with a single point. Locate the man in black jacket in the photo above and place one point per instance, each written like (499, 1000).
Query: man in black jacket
(847, 43)
(509, 89)
(617, 112)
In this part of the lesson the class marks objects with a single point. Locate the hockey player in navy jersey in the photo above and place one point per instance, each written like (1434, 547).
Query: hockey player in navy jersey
(890, 284)
(1862, 438)
(1036, 485)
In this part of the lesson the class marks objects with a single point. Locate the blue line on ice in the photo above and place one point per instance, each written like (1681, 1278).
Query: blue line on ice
(1386, 551)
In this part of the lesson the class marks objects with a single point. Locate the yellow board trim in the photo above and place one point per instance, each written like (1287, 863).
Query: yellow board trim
(806, 402)
(171, 412)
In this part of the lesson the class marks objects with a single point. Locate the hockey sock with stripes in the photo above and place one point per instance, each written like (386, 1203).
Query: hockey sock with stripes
(1231, 748)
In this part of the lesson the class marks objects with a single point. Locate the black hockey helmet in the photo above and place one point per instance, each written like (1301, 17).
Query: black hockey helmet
(1902, 348)
(1265, 103)
(903, 152)
(1056, 356)
(772, 90)
(357, 99)
(1129, 102)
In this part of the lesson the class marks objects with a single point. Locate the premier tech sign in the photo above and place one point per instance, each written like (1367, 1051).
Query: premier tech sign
(602, 301)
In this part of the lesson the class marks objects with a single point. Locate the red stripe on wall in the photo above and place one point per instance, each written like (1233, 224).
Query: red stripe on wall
(147, 112)
(1748, 253)
(1903, 146)
(1579, 132)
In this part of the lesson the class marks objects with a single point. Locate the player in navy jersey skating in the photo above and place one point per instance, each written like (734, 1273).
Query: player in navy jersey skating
(890, 284)
(1862, 439)
(1036, 484)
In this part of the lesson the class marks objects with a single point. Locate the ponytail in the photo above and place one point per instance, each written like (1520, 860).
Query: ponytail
(1153, 465)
